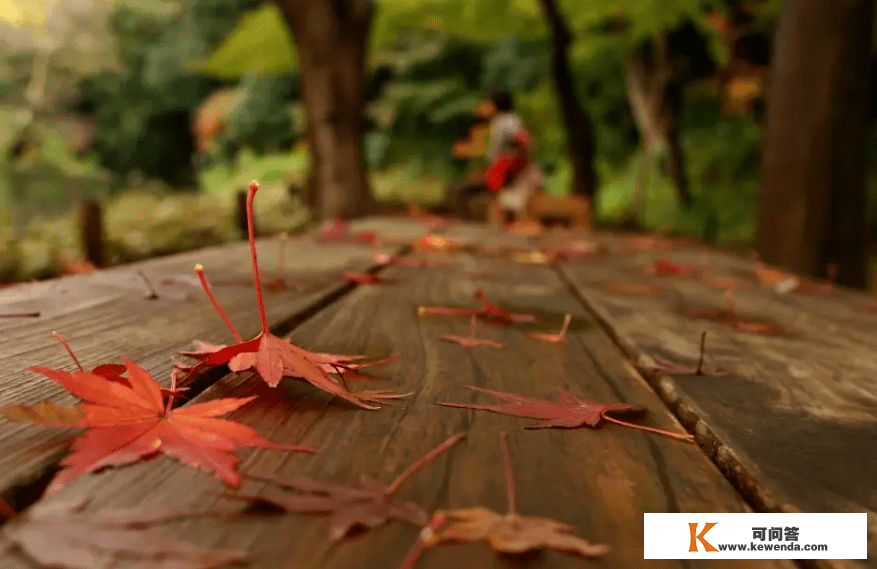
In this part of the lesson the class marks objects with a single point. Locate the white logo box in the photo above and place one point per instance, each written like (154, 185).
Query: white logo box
(739, 536)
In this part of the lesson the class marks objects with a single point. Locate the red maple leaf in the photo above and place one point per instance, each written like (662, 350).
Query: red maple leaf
(729, 317)
(381, 258)
(111, 372)
(509, 533)
(270, 356)
(666, 267)
(487, 310)
(339, 230)
(364, 278)
(570, 412)
(334, 230)
(127, 423)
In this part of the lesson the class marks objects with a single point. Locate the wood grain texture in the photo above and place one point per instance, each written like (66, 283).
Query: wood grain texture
(106, 315)
(794, 425)
(599, 480)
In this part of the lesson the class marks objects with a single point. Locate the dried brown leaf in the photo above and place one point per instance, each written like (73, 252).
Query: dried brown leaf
(68, 538)
(509, 533)
(366, 505)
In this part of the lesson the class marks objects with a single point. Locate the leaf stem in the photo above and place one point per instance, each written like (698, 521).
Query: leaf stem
(509, 475)
(426, 535)
(281, 259)
(69, 351)
(424, 461)
(565, 327)
(170, 398)
(151, 292)
(199, 270)
(699, 370)
(686, 438)
(251, 232)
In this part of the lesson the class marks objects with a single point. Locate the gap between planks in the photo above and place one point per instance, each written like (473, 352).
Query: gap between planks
(27, 489)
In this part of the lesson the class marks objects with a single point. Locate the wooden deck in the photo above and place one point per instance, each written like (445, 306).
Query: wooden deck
(792, 427)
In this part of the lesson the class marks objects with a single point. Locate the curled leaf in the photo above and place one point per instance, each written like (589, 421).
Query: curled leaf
(45, 413)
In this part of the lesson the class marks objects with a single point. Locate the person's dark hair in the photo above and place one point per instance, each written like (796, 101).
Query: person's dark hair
(502, 100)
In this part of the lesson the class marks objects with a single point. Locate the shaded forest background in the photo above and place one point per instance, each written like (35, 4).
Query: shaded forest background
(163, 110)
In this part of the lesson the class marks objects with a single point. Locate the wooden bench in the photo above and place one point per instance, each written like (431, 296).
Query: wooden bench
(791, 428)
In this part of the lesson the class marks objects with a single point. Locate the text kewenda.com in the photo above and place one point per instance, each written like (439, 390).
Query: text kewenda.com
(771, 547)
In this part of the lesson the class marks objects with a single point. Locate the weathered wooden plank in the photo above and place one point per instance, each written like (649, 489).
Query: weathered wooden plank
(601, 481)
(105, 316)
(795, 424)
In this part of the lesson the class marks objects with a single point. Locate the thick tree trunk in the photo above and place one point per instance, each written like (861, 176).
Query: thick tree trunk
(812, 204)
(579, 131)
(331, 38)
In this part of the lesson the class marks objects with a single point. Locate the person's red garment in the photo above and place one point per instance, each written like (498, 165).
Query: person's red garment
(508, 164)
(503, 170)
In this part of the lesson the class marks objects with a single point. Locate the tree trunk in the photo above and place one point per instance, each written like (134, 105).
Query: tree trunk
(331, 38)
(655, 100)
(812, 203)
(579, 131)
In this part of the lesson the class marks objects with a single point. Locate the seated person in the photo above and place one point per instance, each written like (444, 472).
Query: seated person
(519, 187)
(496, 124)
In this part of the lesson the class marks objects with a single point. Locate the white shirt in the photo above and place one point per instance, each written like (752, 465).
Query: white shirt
(503, 129)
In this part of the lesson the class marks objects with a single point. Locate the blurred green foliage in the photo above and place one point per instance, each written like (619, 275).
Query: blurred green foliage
(430, 64)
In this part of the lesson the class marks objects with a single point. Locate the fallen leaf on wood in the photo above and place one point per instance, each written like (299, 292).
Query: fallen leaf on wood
(555, 338)
(367, 505)
(433, 242)
(673, 368)
(572, 249)
(472, 341)
(348, 366)
(387, 259)
(531, 258)
(339, 230)
(632, 288)
(45, 413)
(270, 356)
(666, 267)
(526, 228)
(80, 267)
(66, 537)
(111, 372)
(334, 230)
(127, 423)
(487, 310)
(509, 533)
(365, 278)
(723, 282)
(432, 222)
(648, 243)
(729, 317)
(784, 283)
(570, 412)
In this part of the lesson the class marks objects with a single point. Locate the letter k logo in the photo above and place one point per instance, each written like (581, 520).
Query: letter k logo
(707, 546)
